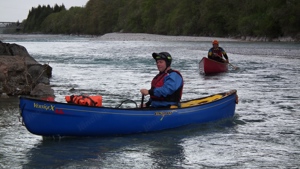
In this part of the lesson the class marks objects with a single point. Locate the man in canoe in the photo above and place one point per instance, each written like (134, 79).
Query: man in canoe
(217, 53)
(166, 86)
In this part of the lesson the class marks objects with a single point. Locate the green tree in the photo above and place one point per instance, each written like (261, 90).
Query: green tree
(267, 18)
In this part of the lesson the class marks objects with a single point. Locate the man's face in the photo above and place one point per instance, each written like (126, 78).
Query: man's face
(161, 65)
(215, 45)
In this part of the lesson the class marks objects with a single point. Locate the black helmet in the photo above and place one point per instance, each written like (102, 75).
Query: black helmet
(163, 56)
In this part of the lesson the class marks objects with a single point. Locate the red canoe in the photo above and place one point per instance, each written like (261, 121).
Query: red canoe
(209, 66)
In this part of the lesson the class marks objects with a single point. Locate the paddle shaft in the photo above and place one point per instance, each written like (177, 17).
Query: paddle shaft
(228, 62)
(142, 103)
(232, 66)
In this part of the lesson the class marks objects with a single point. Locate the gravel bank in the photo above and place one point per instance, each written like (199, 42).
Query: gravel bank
(153, 37)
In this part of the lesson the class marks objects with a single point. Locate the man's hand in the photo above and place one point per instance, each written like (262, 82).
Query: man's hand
(215, 54)
(144, 105)
(144, 92)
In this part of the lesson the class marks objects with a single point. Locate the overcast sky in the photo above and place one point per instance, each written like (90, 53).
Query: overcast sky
(17, 10)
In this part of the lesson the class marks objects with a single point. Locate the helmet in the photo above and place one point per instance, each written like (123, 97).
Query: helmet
(215, 42)
(163, 56)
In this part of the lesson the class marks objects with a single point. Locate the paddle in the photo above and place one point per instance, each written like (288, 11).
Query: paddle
(142, 103)
(233, 66)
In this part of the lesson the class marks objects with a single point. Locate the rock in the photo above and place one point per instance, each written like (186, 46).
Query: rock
(3, 71)
(39, 72)
(4, 95)
(42, 90)
(21, 74)
(16, 50)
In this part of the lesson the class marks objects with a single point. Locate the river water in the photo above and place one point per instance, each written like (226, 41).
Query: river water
(265, 132)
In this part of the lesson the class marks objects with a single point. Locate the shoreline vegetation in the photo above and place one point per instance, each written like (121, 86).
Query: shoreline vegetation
(249, 20)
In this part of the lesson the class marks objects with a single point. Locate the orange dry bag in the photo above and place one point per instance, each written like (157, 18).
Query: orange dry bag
(85, 100)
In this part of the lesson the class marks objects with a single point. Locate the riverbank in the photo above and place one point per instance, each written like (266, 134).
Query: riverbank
(118, 37)
(154, 37)
(149, 37)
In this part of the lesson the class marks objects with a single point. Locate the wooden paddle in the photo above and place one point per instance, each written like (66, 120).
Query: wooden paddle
(233, 66)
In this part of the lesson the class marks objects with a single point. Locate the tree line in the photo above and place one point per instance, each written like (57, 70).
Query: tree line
(230, 18)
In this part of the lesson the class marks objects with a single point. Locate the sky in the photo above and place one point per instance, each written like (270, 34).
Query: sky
(17, 10)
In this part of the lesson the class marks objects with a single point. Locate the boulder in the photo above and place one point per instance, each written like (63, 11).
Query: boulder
(21, 74)
(42, 90)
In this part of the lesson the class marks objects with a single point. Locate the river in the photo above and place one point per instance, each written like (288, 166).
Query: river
(265, 132)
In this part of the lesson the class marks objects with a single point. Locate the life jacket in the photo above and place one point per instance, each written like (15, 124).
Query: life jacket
(218, 51)
(85, 100)
(158, 81)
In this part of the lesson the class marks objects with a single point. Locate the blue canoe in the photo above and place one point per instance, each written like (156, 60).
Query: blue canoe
(48, 118)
